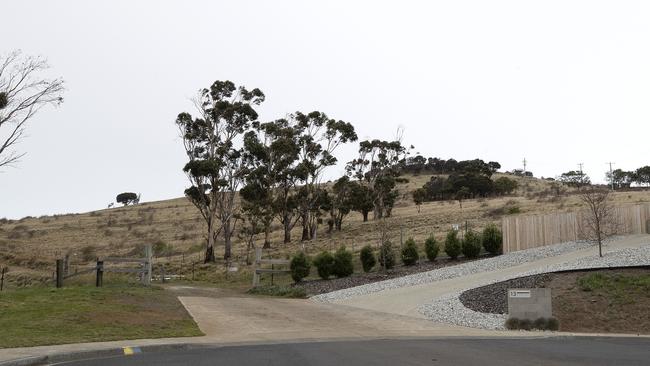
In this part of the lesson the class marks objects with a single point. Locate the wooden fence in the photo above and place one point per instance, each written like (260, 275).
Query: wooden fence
(526, 232)
(144, 269)
(273, 262)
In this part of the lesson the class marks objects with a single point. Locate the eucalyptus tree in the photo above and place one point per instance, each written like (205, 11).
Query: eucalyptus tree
(23, 92)
(217, 167)
(319, 137)
(339, 202)
(377, 168)
(271, 151)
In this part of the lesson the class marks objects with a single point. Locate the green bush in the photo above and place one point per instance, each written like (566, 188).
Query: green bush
(471, 245)
(367, 257)
(342, 263)
(299, 266)
(552, 324)
(539, 323)
(409, 253)
(526, 324)
(431, 248)
(324, 263)
(492, 239)
(512, 323)
(386, 255)
(452, 244)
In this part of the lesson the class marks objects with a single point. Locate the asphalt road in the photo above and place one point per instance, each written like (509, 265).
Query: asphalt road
(432, 352)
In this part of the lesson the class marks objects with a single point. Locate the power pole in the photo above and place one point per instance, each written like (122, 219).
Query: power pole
(525, 161)
(580, 165)
(611, 174)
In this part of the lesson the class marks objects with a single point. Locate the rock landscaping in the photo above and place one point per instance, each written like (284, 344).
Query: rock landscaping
(447, 271)
(450, 309)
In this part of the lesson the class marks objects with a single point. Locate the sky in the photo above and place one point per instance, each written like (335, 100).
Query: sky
(555, 82)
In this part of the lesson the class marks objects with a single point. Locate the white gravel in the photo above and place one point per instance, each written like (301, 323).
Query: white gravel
(485, 265)
(449, 309)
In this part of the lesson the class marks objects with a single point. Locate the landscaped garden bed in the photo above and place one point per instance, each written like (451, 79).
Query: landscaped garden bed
(614, 300)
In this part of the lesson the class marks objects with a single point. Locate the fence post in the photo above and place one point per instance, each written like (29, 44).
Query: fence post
(59, 273)
(256, 276)
(2, 278)
(148, 266)
(99, 279)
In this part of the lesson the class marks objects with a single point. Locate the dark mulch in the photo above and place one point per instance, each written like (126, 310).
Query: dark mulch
(494, 298)
(316, 287)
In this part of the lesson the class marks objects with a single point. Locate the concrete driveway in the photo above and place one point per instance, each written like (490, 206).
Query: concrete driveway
(406, 300)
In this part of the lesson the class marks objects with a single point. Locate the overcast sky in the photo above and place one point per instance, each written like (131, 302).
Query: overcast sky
(556, 82)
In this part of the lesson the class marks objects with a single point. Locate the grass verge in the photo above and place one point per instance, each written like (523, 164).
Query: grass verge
(619, 288)
(43, 316)
(280, 291)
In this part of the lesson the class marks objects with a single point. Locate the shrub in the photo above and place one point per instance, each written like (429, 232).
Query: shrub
(410, 254)
(513, 210)
(492, 239)
(342, 266)
(512, 323)
(552, 324)
(525, 324)
(324, 263)
(88, 253)
(452, 244)
(161, 249)
(539, 323)
(431, 248)
(367, 257)
(471, 245)
(299, 266)
(386, 255)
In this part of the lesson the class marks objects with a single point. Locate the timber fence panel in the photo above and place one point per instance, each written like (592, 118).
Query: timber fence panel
(532, 231)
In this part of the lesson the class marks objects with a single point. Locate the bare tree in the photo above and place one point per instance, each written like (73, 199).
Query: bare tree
(600, 221)
(23, 92)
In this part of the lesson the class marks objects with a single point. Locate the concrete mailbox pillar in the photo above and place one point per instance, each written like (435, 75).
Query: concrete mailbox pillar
(529, 303)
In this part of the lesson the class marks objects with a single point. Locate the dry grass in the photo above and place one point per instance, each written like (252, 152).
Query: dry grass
(29, 246)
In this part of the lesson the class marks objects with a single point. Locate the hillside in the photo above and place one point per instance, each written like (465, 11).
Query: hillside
(30, 246)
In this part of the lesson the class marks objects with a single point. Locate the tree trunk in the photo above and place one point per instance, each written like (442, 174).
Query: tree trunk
(209, 250)
(365, 216)
(339, 223)
(305, 227)
(227, 238)
(267, 234)
(287, 229)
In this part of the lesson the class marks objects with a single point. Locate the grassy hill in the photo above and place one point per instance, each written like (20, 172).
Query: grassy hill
(30, 246)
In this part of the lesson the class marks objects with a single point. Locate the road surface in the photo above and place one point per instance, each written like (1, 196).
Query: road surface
(458, 352)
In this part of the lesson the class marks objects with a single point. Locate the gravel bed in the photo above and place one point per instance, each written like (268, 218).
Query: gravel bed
(464, 269)
(449, 308)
